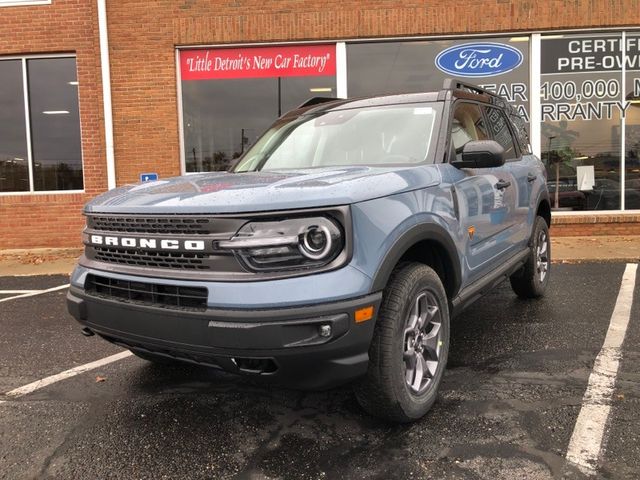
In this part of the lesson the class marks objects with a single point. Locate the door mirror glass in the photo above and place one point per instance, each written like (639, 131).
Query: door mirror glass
(481, 154)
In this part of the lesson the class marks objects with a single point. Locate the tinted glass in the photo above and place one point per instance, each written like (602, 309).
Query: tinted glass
(500, 132)
(411, 66)
(632, 119)
(580, 131)
(399, 134)
(222, 118)
(14, 170)
(55, 124)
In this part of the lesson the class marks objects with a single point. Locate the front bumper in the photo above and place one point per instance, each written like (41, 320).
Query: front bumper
(282, 344)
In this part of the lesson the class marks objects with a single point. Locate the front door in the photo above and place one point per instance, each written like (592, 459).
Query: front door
(485, 196)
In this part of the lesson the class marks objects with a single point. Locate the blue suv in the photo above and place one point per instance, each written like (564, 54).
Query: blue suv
(337, 249)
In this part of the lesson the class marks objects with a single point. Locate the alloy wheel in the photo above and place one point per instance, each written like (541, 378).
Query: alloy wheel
(422, 343)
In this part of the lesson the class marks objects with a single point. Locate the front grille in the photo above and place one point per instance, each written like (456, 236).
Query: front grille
(144, 258)
(194, 225)
(143, 293)
(201, 228)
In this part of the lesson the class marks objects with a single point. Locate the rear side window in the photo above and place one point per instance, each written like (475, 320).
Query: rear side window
(501, 133)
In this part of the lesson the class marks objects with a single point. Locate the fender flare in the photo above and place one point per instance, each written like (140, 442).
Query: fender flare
(412, 236)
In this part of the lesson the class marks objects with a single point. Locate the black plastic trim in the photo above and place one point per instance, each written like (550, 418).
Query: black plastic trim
(418, 233)
(483, 285)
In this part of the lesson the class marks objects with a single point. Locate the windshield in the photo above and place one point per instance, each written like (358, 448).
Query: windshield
(389, 135)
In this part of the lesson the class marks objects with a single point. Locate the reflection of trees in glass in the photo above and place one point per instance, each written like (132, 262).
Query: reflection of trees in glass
(560, 137)
(14, 174)
(57, 176)
(562, 156)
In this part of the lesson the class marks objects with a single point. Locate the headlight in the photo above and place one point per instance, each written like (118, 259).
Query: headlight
(295, 243)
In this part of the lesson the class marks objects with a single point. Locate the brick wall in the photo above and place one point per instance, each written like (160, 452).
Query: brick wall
(55, 220)
(143, 36)
(595, 224)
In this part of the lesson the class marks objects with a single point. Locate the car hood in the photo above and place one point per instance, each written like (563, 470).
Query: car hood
(224, 192)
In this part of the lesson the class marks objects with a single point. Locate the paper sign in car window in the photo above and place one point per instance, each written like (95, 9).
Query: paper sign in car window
(422, 111)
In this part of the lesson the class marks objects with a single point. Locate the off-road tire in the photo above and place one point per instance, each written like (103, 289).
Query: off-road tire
(384, 391)
(528, 282)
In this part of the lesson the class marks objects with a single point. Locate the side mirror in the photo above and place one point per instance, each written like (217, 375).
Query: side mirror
(481, 154)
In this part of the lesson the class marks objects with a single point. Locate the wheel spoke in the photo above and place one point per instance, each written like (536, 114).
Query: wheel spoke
(419, 372)
(431, 341)
(421, 342)
(412, 322)
(543, 248)
(422, 308)
(409, 357)
(432, 367)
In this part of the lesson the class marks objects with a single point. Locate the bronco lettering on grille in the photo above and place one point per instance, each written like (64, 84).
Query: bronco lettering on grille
(148, 243)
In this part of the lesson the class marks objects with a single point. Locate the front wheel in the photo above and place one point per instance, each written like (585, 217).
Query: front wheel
(409, 350)
(531, 280)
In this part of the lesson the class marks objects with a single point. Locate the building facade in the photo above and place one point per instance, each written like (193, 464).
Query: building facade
(192, 83)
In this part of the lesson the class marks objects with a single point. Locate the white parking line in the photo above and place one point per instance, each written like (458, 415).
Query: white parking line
(588, 434)
(38, 384)
(37, 292)
(13, 292)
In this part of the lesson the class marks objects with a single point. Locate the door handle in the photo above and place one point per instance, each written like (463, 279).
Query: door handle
(502, 184)
(531, 177)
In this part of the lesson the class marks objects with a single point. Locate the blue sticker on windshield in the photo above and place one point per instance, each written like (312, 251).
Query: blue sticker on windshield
(479, 59)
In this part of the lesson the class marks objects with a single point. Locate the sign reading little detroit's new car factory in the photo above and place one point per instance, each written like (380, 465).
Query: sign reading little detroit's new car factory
(260, 62)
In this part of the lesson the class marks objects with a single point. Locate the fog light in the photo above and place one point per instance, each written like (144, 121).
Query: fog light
(325, 330)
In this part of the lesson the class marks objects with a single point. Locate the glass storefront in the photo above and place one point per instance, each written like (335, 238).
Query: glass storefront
(40, 151)
(589, 99)
(632, 122)
(413, 66)
(230, 96)
(581, 115)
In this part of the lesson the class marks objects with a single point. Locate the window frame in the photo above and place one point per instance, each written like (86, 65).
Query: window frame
(23, 3)
(27, 118)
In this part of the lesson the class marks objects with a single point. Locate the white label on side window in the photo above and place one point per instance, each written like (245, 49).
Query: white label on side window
(422, 111)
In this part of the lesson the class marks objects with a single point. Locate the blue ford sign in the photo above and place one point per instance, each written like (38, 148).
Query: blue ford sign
(479, 59)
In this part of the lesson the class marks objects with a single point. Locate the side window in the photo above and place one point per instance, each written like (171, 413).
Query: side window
(467, 125)
(501, 133)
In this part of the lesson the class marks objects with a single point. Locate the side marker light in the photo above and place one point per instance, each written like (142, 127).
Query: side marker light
(363, 314)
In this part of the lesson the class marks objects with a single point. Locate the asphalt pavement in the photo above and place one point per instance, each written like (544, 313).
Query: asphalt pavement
(517, 374)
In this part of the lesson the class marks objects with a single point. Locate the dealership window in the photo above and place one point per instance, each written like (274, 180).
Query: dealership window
(417, 66)
(632, 122)
(581, 120)
(230, 96)
(40, 147)
(16, 3)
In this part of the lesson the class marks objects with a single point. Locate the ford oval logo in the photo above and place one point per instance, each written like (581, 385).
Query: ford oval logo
(479, 59)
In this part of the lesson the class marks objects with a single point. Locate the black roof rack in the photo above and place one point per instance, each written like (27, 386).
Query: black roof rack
(451, 84)
(316, 101)
(454, 84)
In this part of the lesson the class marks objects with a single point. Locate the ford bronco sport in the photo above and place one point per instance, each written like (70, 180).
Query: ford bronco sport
(336, 249)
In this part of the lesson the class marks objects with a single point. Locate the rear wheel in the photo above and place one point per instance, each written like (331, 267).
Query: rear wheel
(409, 350)
(531, 280)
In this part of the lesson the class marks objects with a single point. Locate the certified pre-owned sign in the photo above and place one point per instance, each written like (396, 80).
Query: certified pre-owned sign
(479, 59)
